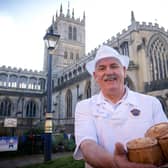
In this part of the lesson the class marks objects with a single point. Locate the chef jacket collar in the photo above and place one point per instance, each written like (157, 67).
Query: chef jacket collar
(129, 98)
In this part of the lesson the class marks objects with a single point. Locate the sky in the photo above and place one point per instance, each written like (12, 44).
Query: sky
(23, 24)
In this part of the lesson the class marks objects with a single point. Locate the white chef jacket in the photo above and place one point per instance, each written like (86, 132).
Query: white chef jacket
(97, 119)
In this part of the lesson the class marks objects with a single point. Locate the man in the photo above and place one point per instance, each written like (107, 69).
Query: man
(105, 122)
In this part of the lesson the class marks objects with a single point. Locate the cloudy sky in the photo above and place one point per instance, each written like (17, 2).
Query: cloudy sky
(23, 24)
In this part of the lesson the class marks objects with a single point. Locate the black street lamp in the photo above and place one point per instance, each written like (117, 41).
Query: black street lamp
(51, 40)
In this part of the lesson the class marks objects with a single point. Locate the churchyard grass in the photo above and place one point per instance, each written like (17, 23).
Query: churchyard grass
(63, 162)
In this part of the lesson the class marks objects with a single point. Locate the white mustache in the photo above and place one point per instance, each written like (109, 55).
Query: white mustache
(110, 77)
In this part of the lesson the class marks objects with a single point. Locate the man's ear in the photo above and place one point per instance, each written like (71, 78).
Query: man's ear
(125, 72)
(95, 76)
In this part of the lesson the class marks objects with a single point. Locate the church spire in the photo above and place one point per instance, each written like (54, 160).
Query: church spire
(132, 17)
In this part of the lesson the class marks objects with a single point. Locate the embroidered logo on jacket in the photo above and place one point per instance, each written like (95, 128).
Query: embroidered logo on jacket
(135, 112)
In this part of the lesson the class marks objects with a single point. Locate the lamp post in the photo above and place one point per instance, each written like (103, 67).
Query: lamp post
(51, 40)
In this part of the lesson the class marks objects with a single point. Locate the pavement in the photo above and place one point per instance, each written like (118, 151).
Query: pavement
(20, 161)
(25, 160)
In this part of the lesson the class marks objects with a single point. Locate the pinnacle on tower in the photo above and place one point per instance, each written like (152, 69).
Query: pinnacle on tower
(53, 20)
(68, 10)
(73, 13)
(56, 14)
(83, 20)
(132, 17)
(61, 10)
(84, 15)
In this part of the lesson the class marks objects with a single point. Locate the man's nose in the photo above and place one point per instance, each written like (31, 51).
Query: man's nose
(109, 70)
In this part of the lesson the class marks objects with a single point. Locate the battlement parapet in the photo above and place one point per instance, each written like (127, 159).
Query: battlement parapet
(136, 26)
(146, 26)
(20, 70)
(123, 31)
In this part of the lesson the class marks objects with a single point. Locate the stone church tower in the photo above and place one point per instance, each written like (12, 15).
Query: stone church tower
(23, 92)
(71, 45)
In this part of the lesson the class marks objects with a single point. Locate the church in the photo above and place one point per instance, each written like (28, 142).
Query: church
(23, 92)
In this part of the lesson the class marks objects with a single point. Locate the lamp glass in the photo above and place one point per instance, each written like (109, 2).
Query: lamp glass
(51, 40)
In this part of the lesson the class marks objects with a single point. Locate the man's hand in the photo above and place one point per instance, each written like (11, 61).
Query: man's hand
(121, 160)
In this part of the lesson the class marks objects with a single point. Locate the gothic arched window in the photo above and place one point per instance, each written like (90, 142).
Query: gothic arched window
(65, 55)
(32, 83)
(23, 82)
(12, 81)
(69, 104)
(31, 109)
(41, 84)
(88, 89)
(3, 80)
(71, 55)
(70, 33)
(158, 56)
(124, 48)
(74, 33)
(5, 107)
